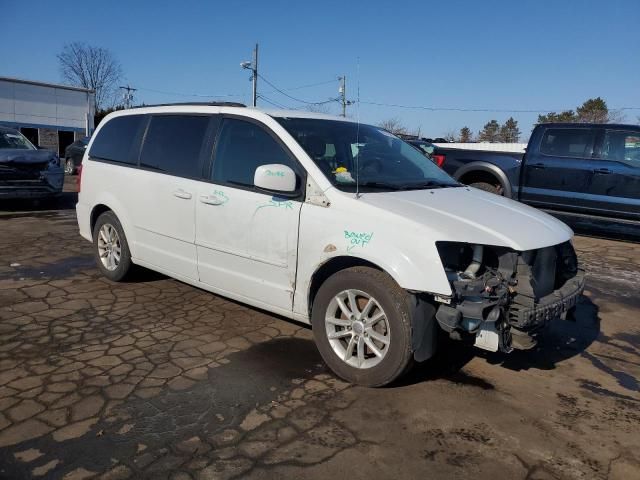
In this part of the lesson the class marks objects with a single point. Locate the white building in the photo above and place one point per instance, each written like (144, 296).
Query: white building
(48, 114)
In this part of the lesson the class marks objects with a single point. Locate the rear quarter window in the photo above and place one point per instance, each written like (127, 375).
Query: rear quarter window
(117, 140)
(173, 144)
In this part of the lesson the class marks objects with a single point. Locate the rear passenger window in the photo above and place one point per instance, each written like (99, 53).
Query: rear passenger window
(622, 146)
(567, 142)
(173, 144)
(243, 147)
(116, 141)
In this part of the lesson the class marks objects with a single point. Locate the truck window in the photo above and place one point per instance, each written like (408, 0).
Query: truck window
(567, 142)
(173, 144)
(115, 140)
(243, 147)
(621, 146)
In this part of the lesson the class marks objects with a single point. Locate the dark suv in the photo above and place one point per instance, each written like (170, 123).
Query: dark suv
(73, 155)
(25, 170)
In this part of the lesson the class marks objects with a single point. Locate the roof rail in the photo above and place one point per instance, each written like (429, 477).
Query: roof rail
(206, 104)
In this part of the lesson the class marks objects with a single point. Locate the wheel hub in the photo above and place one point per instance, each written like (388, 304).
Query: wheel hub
(357, 327)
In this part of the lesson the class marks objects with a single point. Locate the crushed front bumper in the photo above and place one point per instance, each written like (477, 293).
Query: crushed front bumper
(551, 307)
(513, 296)
(47, 184)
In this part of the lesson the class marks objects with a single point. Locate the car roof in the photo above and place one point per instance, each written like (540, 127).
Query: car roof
(227, 107)
(589, 125)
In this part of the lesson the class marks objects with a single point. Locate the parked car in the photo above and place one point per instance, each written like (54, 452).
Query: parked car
(25, 170)
(73, 155)
(328, 222)
(585, 170)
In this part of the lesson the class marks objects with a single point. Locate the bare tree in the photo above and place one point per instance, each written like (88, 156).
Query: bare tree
(393, 125)
(91, 67)
(450, 136)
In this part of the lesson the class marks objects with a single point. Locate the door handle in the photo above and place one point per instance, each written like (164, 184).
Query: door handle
(182, 194)
(603, 171)
(211, 200)
(539, 166)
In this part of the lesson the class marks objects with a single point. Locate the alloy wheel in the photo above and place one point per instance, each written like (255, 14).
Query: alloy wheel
(109, 247)
(357, 328)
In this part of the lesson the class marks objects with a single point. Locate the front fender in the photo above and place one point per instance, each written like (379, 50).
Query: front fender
(414, 264)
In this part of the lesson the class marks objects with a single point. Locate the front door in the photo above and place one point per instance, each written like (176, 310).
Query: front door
(171, 162)
(557, 175)
(247, 239)
(616, 173)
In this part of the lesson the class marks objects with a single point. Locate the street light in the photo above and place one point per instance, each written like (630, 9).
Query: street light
(253, 66)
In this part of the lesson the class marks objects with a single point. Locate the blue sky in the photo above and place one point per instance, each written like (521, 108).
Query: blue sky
(495, 54)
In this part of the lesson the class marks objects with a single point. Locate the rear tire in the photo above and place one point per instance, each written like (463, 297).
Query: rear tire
(371, 346)
(110, 247)
(487, 187)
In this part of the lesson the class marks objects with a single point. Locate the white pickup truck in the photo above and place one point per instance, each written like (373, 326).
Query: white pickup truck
(325, 221)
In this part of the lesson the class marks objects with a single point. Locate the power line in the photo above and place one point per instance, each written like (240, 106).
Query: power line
(274, 103)
(306, 86)
(181, 94)
(282, 92)
(491, 110)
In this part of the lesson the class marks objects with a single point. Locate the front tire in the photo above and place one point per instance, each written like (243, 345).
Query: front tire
(487, 187)
(110, 247)
(362, 326)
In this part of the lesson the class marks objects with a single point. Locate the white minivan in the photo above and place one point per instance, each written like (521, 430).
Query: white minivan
(325, 221)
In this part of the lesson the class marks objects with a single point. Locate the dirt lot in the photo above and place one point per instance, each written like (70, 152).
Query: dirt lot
(157, 379)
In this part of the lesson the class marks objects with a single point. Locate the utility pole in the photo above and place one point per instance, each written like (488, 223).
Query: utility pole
(253, 66)
(128, 96)
(255, 75)
(343, 94)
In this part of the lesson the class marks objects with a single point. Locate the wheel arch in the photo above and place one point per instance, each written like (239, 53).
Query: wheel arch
(108, 203)
(334, 265)
(484, 168)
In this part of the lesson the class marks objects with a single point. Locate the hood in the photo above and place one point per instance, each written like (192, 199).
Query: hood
(469, 215)
(19, 155)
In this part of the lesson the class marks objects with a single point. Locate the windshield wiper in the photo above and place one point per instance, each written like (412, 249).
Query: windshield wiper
(429, 184)
(384, 185)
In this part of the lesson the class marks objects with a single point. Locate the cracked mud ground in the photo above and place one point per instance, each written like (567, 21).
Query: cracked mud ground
(157, 379)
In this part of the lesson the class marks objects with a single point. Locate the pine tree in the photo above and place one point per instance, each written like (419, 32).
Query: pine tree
(563, 117)
(490, 132)
(594, 110)
(465, 135)
(509, 132)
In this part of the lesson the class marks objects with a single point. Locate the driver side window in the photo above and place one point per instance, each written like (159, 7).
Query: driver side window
(242, 147)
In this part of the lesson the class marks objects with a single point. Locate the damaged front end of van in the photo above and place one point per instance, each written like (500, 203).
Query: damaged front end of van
(502, 298)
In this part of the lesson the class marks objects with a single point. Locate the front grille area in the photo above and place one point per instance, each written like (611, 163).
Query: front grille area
(21, 171)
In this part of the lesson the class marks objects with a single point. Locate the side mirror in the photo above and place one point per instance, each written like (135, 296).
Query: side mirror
(275, 178)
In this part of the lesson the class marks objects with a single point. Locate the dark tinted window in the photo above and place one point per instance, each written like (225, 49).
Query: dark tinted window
(173, 144)
(243, 147)
(567, 142)
(115, 140)
(621, 146)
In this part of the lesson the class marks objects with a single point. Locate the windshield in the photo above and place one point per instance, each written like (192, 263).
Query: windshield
(382, 160)
(14, 140)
